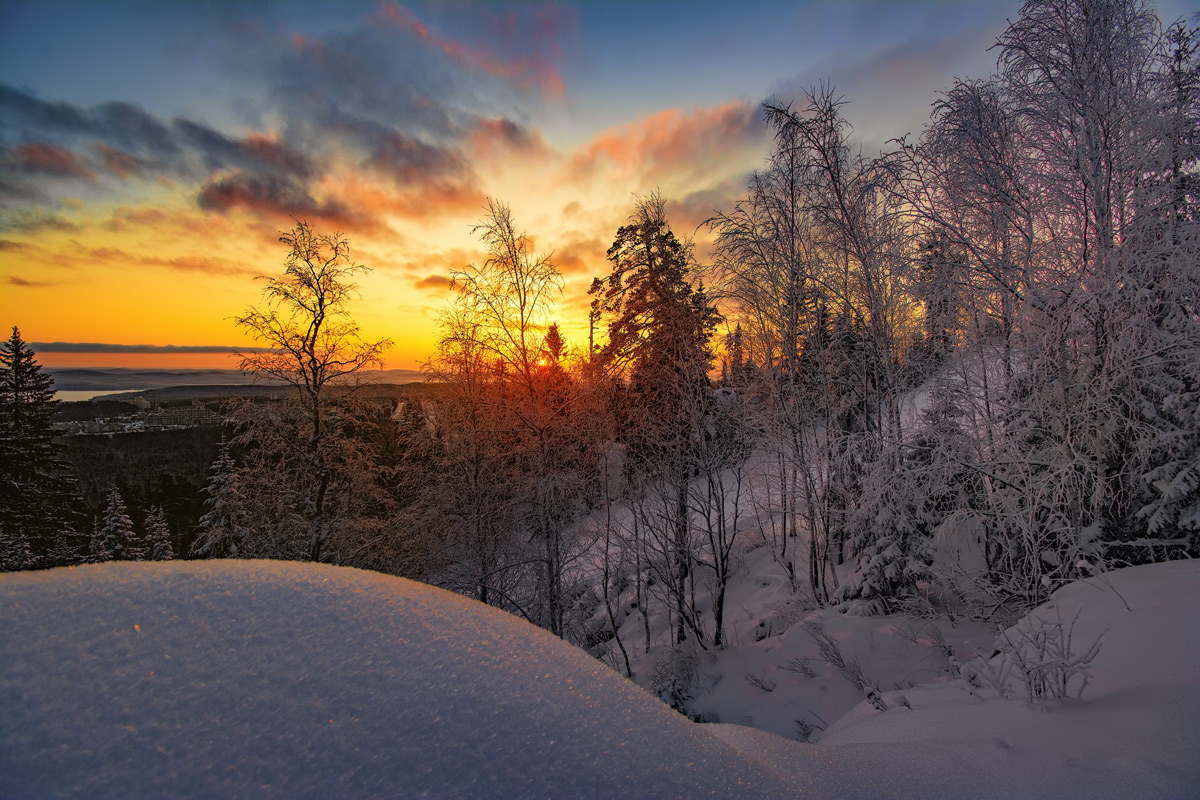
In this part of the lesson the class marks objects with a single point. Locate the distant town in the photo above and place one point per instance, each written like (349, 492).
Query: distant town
(147, 417)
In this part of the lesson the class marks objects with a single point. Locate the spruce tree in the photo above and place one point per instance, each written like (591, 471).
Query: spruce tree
(116, 530)
(223, 526)
(157, 536)
(37, 490)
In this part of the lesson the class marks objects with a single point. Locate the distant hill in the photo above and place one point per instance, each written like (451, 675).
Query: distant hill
(74, 379)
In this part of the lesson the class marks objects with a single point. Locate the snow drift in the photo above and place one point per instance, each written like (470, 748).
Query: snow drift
(274, 679)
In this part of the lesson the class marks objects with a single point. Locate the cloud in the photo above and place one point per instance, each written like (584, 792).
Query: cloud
(671, 142)
(272, 196)
(582, 255)
(434, 282)
(429, 201)
(377, 119)
(207, 265)
(46, 159)
(497, 137)
(530, 35)
(33, 221)
(118, 162)
(101, 347)
(16, 280)
(257, 152)
(688, 213)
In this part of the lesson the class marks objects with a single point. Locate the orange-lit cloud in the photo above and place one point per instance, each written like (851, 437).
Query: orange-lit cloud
(670, 141)
(581, 255)
(434, 282)
(47, 159)
(496, 137)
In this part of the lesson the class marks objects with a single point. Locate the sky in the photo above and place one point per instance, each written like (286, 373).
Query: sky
(152, 153)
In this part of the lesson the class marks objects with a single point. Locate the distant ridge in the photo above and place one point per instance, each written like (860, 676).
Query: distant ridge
(117, 379)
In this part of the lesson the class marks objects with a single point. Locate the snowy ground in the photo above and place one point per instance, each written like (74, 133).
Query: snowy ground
(235, 679)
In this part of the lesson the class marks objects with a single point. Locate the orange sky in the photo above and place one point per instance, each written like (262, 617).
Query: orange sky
(150, 156)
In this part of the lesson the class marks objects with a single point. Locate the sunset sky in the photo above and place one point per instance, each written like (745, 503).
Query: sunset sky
(151, 152)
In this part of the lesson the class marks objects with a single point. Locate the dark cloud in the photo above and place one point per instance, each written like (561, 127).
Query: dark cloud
(690, 212)
(118, 162)
(388, 94)
(256, 153)
(16, 280)
(33, 220)
(271, 195)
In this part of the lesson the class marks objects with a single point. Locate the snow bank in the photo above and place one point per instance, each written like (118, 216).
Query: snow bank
(270, 679)
(1136, 732)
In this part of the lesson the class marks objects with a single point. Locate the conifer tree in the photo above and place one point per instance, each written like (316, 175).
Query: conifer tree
(158, 536)
(36, 487)
(223, 527)
(116, 530)
(14, 550)
(98, 551)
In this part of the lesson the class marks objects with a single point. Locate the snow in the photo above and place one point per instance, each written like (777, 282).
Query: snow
(272, 679)
(1135, 733)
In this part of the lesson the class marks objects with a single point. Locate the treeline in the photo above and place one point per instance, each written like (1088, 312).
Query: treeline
(968, 368)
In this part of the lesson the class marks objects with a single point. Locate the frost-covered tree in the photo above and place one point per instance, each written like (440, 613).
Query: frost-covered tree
(305, 449)
(157, 536)
(224, 527)
(37, 490)
(119, 542)
(660, 328)
(14, 551)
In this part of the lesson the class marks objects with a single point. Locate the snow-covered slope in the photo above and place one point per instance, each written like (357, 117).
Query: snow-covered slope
(1135, 734)
(269, 679)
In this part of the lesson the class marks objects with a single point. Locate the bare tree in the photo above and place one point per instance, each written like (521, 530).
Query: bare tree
(312, 344)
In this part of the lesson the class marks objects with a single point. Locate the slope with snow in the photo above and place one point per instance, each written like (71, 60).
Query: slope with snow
(271, 679)
(1134, 733)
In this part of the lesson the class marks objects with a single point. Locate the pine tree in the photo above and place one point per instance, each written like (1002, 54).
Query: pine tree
(36, 487)
(116, 530)
(158, 536)
(14, 551)
(659, 338)
(98, 551)
(223, 526)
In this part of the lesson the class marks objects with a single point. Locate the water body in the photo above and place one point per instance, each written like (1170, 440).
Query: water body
(76, 396)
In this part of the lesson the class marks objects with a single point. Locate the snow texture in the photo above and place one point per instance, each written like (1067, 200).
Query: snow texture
(272, 679)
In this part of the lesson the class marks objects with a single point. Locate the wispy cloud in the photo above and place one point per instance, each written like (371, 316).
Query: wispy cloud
(16, 280)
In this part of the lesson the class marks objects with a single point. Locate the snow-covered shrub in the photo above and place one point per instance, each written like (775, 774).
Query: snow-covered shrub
(674, 679)
(1043, 652)
(831, 653)
(1041, 656)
